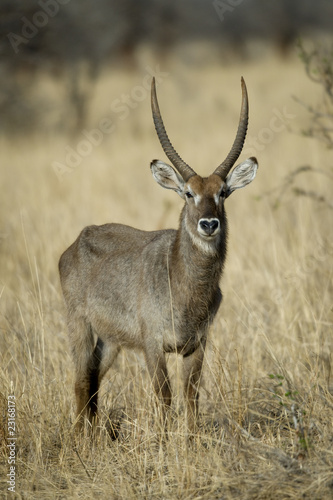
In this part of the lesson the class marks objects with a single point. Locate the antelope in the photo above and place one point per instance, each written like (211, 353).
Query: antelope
(156, 291)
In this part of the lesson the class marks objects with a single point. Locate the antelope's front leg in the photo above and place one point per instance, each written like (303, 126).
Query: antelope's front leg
(192, 373)
(157, 368)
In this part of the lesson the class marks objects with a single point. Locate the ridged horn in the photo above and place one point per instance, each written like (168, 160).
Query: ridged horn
(223, 169)
(185, 170)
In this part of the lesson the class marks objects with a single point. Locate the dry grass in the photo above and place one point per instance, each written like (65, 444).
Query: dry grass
(266, 398)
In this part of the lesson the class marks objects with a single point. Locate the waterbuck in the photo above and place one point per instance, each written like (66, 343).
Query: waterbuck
(155, 291)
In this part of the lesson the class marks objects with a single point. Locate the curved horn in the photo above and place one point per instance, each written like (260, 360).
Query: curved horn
(185, 171)
(223, 169)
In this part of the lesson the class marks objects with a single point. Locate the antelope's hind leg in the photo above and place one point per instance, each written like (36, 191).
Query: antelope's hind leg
(87, 360)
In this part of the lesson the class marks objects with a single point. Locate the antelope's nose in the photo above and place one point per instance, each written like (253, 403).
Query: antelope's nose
(209, 227)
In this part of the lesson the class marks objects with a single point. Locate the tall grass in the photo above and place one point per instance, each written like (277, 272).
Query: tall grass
(266, 406)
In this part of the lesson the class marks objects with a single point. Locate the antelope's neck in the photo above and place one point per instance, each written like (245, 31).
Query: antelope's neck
(196, 263)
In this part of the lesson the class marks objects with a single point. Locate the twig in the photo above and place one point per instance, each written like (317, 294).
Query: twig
(311, 194)
(82, 463)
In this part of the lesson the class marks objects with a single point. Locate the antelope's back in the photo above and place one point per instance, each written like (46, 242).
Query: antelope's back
(106, 262)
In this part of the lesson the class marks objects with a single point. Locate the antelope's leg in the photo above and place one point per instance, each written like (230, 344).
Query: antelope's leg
(82, 347)
(192, 373)
(157, 369)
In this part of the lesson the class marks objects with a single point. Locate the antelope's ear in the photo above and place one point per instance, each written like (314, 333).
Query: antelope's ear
(241, 175)
(167, 177)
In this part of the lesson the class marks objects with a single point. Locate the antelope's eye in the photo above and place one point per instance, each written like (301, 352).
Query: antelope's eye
(188, 195)
(222, 193)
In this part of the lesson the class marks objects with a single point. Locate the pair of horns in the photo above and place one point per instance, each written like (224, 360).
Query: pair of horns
(185, 170)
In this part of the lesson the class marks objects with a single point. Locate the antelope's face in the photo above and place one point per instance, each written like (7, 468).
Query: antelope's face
(204, 211)
(204, 196)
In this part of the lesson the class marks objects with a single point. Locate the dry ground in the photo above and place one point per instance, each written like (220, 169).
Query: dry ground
(266, 400)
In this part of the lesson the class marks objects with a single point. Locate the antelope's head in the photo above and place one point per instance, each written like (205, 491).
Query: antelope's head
(204, 196)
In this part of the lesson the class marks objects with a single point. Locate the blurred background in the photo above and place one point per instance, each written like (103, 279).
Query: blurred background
(68, 44)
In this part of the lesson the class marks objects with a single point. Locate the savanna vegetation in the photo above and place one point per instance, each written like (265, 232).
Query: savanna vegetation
(266, 406)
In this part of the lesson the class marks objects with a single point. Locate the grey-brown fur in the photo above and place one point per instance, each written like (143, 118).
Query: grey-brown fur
(153, 291)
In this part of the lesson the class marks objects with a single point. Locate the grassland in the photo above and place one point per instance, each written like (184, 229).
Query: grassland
(267, 391)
